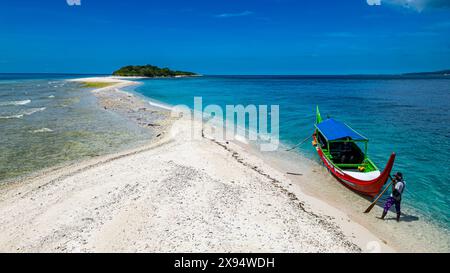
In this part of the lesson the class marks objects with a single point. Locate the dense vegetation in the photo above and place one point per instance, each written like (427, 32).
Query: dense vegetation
(150, 71)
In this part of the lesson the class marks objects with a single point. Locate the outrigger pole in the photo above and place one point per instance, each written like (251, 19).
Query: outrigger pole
(381, 194)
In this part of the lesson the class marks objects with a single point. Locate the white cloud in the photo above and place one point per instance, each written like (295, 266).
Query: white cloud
(418, 5)
(227, 15)
(373, 2)
(73, 2)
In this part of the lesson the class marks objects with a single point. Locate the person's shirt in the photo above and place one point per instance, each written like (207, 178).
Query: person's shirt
(398, 189)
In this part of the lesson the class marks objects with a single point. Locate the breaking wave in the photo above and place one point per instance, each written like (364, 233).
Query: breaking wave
(27, 112)
(14, 103)
(42, 130)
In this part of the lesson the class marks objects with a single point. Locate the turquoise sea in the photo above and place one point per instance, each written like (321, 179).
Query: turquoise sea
(409, 116)
(45, 121)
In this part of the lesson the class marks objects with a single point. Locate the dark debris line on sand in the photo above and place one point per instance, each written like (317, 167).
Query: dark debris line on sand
(321, 219)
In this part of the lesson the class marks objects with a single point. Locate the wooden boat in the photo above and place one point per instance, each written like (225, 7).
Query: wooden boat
(344, 152)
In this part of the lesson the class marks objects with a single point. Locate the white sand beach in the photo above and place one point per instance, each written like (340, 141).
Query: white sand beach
(174, 195)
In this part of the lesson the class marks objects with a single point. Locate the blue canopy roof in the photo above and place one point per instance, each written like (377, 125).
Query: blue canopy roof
(332, 129)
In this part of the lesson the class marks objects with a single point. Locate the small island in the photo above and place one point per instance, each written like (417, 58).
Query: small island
(150, 71)
(430, 74)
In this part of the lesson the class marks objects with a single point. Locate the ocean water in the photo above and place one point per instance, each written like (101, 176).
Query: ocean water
(409, 116)
(46, 121)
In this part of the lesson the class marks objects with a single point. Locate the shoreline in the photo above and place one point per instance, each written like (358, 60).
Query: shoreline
(338, 232)
(117, 102)
(412, 234)
(419, 230)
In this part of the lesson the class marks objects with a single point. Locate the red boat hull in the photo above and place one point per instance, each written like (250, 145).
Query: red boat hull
(370, 188)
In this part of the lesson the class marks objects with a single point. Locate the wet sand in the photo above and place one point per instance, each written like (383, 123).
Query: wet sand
(414, 233)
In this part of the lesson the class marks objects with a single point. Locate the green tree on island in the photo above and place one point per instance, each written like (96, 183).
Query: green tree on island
(149, 71)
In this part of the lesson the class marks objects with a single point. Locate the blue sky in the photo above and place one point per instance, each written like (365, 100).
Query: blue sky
(226, 37)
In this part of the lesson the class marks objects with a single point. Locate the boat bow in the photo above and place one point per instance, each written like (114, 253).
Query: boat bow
(369, 187)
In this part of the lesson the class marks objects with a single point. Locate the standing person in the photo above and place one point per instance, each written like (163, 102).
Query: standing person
(396, 196)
